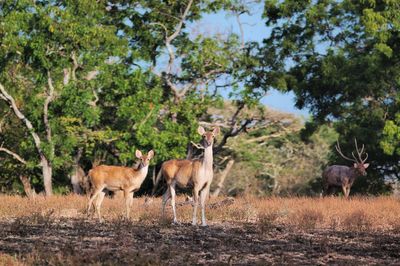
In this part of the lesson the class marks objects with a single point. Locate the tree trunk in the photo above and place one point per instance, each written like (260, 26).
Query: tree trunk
(47, 171)
(29, 191)
(79, 181)
(45, 163)
(224, 174)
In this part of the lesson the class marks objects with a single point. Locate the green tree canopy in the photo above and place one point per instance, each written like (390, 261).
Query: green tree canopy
(341, 59)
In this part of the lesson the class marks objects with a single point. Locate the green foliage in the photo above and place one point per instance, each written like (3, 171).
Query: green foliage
(341, 59)
(115, 91)
(281, 164)
(391, 136)
(106, 63)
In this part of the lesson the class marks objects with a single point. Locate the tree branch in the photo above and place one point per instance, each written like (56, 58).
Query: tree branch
(223, 176)
(13, 154)
(75, 66)
(8, 98)
(49, 99)
(197, 146)
(237, 15)
(66, 76)
(171, 54)
(96, 99)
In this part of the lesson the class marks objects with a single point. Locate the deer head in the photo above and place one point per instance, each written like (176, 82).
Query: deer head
(359, 162)
(207, 137)
(144, 159)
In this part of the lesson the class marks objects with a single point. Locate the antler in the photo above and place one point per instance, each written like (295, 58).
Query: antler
(339, 150)
(359, 153)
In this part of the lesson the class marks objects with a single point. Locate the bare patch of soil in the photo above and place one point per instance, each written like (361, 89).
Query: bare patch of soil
(78, 241)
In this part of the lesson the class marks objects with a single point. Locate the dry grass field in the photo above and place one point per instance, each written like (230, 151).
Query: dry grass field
(243, 231)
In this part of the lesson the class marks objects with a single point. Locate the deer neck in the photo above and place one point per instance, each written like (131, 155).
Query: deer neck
(141, 172)
(354, 173)
(208, 158)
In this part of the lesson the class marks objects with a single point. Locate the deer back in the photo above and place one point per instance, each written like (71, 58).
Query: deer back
(182, 171)
(111, 175)
(339, 174)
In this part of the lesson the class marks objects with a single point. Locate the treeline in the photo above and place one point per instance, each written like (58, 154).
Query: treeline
(88, 82)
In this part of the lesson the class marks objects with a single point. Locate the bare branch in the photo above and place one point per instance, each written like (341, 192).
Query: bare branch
(180, 24)
(7, 97)
(92, 74)
(13, 154)
(237, 15)
(232, 133)
(161, 25)
(168, 39)
(216, 124)
(223, 176)
(49, 99)
(3, 97)
(66, 76)
(96, 99)
(75, 66)
(197, 145)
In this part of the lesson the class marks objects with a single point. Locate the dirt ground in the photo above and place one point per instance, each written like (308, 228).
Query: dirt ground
(235, 235)
(78, 242)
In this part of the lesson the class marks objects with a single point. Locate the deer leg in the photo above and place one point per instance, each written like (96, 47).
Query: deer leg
(344, 188)
(347, 192)
(173, 196)
(195, 204)
(165, 198)
(203, 197)
(99, 201)
(128, 201)
(95, 193)
(330, 190)
(326, 190)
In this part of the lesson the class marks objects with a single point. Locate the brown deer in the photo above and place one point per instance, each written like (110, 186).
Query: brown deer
(114, 178)
(196, 173)
(344, 176)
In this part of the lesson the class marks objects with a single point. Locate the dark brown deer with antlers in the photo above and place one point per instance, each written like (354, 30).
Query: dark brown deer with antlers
(344, 176)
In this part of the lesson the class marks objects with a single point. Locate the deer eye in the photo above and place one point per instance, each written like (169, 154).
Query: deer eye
(204, 136)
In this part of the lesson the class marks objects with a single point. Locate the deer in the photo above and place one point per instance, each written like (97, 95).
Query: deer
(114, 178)
(344, 176)
(197, 173)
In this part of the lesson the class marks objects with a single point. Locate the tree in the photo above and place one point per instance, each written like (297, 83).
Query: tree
(49, 51)
(341, 59)
(271, 159)
(91, 80)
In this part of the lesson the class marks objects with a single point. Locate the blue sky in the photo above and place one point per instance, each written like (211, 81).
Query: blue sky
(254, 30)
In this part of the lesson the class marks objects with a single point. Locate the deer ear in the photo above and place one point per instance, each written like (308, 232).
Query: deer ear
(216, 131)
(150, 154)
(355, 165)
(138, 154)
(366, 165)
(201, 130)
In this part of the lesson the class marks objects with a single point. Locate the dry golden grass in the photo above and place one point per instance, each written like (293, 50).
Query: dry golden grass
(355, 214)
(8, 260)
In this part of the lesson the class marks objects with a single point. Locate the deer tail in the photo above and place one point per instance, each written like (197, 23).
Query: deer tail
(89, 185)
(158, 178)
